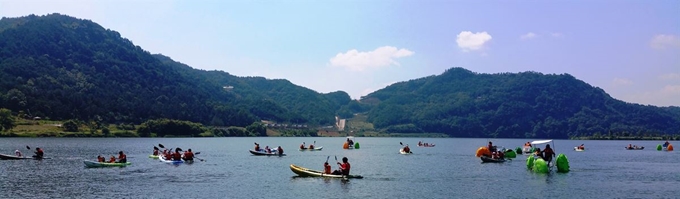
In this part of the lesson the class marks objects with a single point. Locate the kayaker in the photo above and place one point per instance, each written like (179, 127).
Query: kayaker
(406, 149)
(17, 153)
(188, 156)
(177, 156)
(257, 146)
(344, 167)
(112, 159)
(350, 142)
(666, 144)
(302, 146)
(490, 147)
(280, 150)
(581, 147)
(420, 143)
(538, 153)
(527, 144)
(122, 158)
(267, 149)
(326, 168)
(311, 146)
(548, 154)
(39, 153)
(101, 158)
(155, 151)
(630, 146)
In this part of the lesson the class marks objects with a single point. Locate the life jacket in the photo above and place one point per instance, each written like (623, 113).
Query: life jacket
(345, 167)
(112, 160)
(302, 146)
(122, 157)
(177, 156)
(155, 152)
(257, 147)
(311, 146)
(188, 155)
(327, 169)
(101, 159)
(280, 150)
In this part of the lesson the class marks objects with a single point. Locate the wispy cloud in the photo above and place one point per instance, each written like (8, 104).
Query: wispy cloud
(670, 76)
(469, 41)
(557, 34)
(662, 41)
(529, 35)
(358, 61)
(621, 82)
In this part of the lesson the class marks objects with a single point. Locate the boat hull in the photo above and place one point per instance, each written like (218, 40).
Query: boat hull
(305, 172)
(93, 164)
(314, 149)
(491, 160)
(263, 153)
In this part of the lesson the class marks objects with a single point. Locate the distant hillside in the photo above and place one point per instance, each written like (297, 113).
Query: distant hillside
(462, 103)
(60, 67)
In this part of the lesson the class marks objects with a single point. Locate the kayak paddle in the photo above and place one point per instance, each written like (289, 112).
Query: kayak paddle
(27, 147)
(327, 158)
(401, 144)
(160, 145)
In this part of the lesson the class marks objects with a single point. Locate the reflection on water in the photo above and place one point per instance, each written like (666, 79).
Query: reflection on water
(230, 171)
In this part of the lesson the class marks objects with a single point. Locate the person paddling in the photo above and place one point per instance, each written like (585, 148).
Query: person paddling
(344, 168)
(177, 156)
(548, 153)
(17, 153)
(122, 158)
(279, 150)
(406, 149)
(39, 153)
(101, 158)
(112, 159)
(302, 146)
(188, 156)
(155, 151)
(326, 168)
(311, 146)
(257, 146)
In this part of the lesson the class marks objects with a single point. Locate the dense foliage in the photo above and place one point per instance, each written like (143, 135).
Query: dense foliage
(466, 104)
(61, 68)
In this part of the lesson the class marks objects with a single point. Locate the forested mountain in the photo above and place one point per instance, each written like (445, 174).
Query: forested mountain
(462, 103)
(60, 67)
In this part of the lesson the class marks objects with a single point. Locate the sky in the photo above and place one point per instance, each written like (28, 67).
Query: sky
(629, 48)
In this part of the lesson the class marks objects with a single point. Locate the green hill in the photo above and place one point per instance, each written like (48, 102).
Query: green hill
(462, 103)
(60, 67)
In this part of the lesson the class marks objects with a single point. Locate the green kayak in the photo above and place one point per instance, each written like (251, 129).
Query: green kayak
(93, 164)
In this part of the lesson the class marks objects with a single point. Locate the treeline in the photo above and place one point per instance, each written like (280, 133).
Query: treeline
(462, 103)
(61, 68)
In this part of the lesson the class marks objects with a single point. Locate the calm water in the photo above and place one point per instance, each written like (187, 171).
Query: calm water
(449, 170)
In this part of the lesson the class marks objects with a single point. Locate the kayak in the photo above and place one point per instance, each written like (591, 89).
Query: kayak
(305, 172)
(261, 152)
(577, 149)
(314, 149)
(14, 157)
(492, 160)
(93, 164)
(153, 156)
(162, 158)
(632, 148)
(401, 151)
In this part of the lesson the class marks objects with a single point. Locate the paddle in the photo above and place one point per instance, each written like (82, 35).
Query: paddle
(202, 160)
(314, 145)
(160, 145)
(327, 158)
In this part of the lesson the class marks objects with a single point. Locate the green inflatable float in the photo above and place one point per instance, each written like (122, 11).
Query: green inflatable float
(562, 163)
(659, 147)
(530, 162)
(540, 166)
(510, 154)
(356, 145)
(518, 150)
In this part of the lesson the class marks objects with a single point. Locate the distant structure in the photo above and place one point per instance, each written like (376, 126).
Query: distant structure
(340, 123)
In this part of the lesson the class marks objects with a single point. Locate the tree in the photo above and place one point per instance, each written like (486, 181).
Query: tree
(6, 119)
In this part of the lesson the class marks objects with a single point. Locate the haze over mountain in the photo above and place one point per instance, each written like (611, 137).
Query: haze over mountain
(60, 67)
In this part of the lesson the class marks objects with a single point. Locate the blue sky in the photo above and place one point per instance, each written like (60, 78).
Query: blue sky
(631, 49)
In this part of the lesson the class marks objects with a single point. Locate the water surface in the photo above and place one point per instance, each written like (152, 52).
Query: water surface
(449, 170)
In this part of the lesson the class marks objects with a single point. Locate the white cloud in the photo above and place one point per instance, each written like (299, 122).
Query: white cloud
(358, 61)
(557, 34)
(469, 41)
(670, 76)
(671, 90)
(664, 41)
(529, 35)
(621, 82)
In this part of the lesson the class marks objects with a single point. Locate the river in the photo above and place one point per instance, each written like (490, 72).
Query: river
(449, 170)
